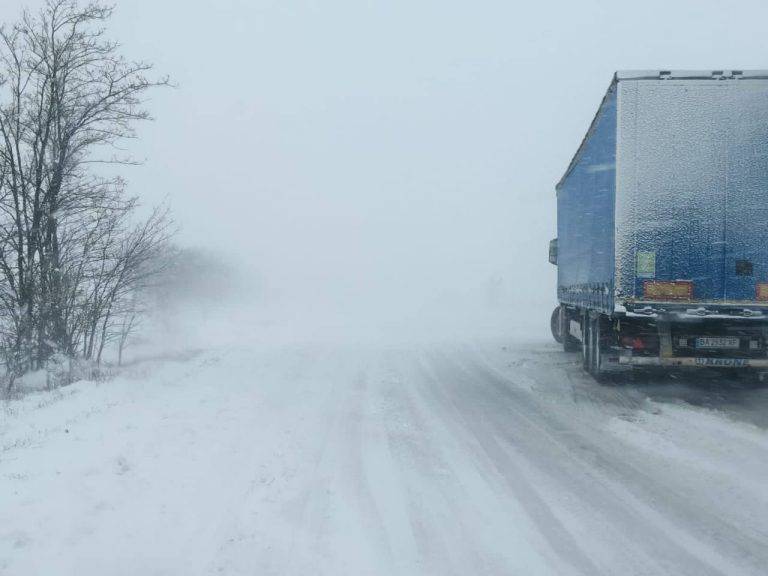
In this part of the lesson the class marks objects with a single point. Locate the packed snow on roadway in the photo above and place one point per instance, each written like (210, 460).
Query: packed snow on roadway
(498, 457)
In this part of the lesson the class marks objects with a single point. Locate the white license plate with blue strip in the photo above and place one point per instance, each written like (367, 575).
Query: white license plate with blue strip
(718, 342)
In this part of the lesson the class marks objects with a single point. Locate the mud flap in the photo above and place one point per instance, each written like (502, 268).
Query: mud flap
(665, 340)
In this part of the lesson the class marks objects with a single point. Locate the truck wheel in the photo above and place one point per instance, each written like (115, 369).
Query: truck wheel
(594, 348)
(586, 344)
(596, 368)
(556, 325)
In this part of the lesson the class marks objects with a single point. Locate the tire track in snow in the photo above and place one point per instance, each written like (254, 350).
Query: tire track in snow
(435, 497)
(458, 413)
(689, 536)
(653, 481)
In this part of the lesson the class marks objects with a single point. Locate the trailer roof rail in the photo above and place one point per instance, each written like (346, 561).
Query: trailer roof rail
(668, 74)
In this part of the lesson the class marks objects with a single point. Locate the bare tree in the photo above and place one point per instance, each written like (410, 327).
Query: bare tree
(130, 317)
(68, 253)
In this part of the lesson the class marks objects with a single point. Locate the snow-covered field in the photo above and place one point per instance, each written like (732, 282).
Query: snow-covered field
(493, 458)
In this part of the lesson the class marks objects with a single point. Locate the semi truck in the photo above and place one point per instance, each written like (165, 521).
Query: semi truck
(662, 226)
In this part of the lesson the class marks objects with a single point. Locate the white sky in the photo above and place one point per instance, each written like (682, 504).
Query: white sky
(396, 155)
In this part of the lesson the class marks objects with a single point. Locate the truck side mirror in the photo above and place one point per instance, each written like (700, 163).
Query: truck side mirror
(553, 251)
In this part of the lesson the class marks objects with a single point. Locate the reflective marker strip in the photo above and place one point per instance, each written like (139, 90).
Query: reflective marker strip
(677, 290)
(695, 362)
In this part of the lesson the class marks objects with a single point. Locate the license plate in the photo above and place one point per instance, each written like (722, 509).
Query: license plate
(728, 342)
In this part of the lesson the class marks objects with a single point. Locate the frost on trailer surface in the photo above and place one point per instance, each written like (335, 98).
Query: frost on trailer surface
(669, 184)
(586, 193)
(692, 170)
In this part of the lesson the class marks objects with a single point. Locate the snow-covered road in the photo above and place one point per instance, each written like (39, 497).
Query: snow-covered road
(500, 458)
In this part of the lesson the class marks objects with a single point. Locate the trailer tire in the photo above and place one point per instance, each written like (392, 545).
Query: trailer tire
(596, 367)
(556, 325)
(594, 346)
(586, 344)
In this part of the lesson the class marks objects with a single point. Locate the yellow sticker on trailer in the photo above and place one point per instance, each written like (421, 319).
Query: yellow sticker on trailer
(677, 290)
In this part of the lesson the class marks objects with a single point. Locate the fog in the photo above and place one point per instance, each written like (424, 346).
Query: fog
(390, 166)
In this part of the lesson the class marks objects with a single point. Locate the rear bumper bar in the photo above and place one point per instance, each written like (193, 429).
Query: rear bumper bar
(694, 362)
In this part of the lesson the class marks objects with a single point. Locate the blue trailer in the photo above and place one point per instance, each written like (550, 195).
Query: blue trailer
(662, 225)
